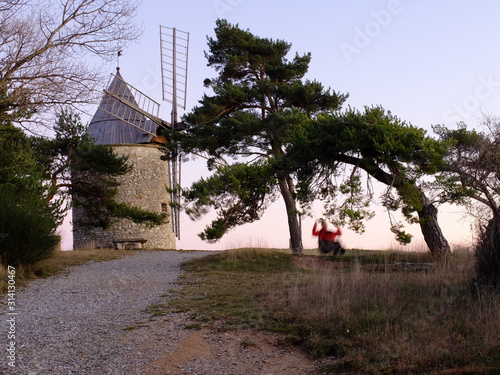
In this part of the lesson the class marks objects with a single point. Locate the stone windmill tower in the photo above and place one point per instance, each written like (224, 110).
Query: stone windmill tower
(129, 122)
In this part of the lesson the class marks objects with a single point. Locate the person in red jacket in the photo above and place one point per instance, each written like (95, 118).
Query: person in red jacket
(327, 240)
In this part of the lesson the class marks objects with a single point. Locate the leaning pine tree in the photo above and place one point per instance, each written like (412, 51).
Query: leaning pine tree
(391, 151)
(260, 100)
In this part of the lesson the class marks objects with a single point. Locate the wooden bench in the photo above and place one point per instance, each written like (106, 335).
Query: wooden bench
(129, 243)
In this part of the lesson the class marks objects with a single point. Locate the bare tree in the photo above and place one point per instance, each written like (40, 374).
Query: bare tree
(7, 5)
(45, 47)
(473, 172)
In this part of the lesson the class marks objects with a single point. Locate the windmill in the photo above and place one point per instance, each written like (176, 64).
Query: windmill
(127, 104)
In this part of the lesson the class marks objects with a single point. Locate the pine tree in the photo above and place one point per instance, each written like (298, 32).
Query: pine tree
(260, 100)
(79, 171)
(28, 222)
(389, 150)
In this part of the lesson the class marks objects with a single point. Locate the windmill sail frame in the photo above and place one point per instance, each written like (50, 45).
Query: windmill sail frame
(174, 45)
(135, 105)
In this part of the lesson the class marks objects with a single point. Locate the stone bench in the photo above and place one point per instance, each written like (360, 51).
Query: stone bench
(129, 243)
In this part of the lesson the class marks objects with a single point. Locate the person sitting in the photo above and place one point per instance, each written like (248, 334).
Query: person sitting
(327, 240)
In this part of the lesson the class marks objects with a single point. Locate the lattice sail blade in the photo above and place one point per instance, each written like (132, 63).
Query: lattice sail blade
(174, 45)
(132, 106)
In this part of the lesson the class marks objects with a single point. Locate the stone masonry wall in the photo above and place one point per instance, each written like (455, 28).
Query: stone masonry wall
(144, 187)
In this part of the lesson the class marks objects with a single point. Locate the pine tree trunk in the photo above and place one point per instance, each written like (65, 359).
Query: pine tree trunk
(429, 226)
(287, 189)
(431, 230)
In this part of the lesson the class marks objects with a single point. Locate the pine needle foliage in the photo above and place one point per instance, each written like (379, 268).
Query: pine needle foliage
(256, 103)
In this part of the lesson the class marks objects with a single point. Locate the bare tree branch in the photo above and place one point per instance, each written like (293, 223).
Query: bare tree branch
(43, 46)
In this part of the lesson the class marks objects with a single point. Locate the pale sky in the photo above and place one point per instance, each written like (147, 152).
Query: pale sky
(428, 62)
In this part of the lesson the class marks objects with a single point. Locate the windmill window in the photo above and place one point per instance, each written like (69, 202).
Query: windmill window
(164, 207)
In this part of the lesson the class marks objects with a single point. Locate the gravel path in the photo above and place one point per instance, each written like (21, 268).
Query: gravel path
(93, 318)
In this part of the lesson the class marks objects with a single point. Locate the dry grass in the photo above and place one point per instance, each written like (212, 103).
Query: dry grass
(368, 318)
(373, 315)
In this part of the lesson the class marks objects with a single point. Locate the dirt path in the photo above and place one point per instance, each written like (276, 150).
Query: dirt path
(209, 351)
(237, 352)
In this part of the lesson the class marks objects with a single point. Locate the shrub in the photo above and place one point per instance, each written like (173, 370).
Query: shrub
(27, 229)
(488, 255)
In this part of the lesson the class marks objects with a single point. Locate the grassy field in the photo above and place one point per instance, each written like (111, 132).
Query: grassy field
(369, 312)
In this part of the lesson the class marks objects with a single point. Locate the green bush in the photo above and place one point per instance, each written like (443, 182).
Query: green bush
(27, 229)
(488, 255)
